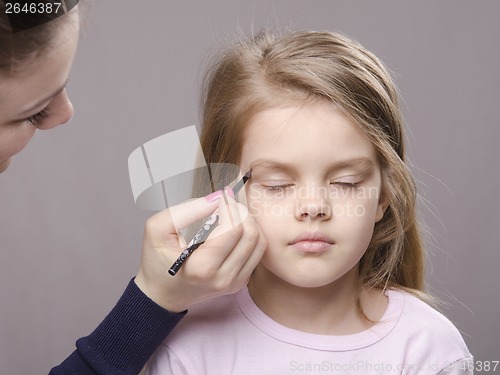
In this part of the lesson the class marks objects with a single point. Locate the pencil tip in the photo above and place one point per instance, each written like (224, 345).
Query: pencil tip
(247, 175)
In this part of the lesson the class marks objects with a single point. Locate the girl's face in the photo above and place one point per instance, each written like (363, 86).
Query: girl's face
(314, 191)
(36, 97)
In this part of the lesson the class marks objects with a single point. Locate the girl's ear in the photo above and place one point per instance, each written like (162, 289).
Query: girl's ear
(383, 203)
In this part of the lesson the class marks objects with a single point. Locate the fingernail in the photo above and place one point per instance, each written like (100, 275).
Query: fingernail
(229, 191)
(214, 196)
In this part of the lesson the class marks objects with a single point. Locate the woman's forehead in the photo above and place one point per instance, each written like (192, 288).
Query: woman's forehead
(40, 80)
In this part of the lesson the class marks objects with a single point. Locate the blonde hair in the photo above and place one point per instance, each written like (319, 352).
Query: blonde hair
(267, 71)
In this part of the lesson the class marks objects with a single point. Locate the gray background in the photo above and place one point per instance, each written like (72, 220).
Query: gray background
(70, 234)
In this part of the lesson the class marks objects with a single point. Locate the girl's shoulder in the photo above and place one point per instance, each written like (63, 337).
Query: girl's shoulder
(421, 325)
(420, 313)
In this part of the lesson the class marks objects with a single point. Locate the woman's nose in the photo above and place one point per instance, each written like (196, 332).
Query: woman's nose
(60, 111)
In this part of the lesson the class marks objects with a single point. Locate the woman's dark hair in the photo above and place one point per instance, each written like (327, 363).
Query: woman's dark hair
(21, 42)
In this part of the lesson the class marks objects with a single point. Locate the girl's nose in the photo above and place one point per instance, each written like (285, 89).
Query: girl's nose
(312, 206)
(313, 212)
(60, 112)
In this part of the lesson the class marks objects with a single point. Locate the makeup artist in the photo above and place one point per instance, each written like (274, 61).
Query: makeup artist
(34, 68)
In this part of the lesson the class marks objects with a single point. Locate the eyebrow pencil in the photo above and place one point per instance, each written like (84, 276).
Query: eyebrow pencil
(201, 236)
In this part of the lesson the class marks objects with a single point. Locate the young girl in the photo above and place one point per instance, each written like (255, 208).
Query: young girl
(315, 117)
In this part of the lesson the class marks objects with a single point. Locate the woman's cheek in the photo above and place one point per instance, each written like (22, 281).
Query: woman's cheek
(17, 139)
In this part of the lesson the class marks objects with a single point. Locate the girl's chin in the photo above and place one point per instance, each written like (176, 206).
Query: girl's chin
(309, 279)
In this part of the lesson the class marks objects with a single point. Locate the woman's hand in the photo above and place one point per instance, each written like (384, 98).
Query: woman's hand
(222, 265)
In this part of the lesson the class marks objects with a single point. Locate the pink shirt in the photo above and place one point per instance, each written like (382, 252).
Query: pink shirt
(231, 335)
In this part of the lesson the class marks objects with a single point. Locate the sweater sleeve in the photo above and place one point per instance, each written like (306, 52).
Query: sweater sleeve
(125, 339)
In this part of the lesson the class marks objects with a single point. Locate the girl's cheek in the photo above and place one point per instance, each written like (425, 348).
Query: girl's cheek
(352, 208)
(270, 209)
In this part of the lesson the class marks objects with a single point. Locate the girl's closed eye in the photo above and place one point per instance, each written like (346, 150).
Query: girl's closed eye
(278, 187)
(37, 118)
(272, 181)
(348, 183)
(283, 186)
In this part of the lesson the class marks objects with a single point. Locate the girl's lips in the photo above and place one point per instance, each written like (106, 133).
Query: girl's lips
(312, 246)
(312, 242)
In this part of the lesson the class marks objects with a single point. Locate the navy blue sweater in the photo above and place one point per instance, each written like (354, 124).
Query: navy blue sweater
(125, 339)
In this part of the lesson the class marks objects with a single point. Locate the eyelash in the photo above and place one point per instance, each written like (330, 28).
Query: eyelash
(278, 188)
(347, 185)
(281, 188)
(37, 118)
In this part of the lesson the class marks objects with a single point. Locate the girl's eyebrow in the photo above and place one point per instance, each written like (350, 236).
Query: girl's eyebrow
(363, 163)
(271, 164)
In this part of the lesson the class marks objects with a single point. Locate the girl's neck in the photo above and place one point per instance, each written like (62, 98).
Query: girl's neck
(328, 310)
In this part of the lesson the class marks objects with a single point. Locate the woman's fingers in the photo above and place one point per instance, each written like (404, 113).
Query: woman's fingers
(221, 241)
(247, 253)
(185, 214)
(233, 250)
(222, 265)
(253, 260)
